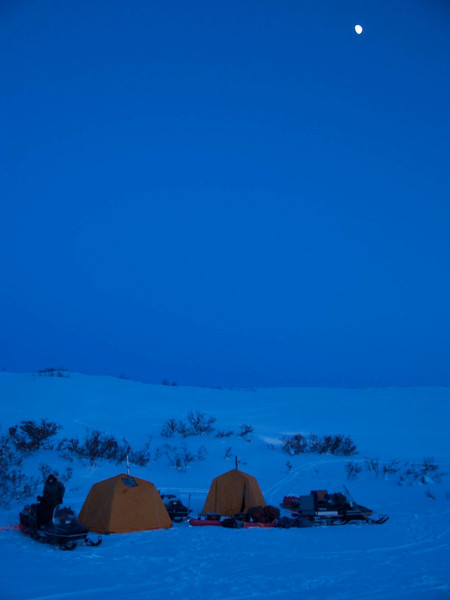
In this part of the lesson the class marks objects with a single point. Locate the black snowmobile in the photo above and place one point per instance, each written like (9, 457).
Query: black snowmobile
(176, 509)
(63, 529)
(323, 508)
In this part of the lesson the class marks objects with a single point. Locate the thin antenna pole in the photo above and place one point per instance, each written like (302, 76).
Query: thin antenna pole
(128, 467)
(236, 461)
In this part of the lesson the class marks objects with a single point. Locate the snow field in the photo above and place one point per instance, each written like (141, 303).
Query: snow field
(408, 557)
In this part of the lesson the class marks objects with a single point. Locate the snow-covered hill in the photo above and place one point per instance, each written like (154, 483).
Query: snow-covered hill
(408, 557)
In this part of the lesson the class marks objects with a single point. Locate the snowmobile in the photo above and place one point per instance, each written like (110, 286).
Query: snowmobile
(63, 529)
(176, 509)
(323, 508)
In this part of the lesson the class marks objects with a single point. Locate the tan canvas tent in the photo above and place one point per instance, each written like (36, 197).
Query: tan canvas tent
(232, 493)
(123, 503)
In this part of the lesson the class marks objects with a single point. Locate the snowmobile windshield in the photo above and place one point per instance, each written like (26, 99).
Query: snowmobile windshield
(63, 515)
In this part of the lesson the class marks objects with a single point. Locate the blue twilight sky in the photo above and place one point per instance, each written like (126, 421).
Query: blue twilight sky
(226, 193)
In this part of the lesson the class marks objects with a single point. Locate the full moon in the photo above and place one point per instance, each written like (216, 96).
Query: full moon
(358, 29)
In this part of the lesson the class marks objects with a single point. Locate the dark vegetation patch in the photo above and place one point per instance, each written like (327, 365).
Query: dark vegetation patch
(339, 445)
(405, 473)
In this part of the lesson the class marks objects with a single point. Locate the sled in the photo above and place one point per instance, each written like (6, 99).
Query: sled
(322, 508)
(63, 530)
(208, 520)
(236, 522)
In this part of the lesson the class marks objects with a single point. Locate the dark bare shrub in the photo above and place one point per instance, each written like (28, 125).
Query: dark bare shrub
(142, 456)
(391, 468)
(183, 429)
(9, 456)
(245, 432)
(353, 470)
(52, 372)
(224, 434)
(199, 423)
(179, 457)
(299, 443)
(373, 465)
(97, 445)
(294, 444)
(16, 486)
(30, 436)
(170, 428)
(347, 447)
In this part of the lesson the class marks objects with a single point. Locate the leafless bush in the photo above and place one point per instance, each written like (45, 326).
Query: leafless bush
(30, 436)
(314, 444)
(294, 444)
(170, 428)
(328, 444)
(224, 434)
(9, 456)
(52, 372)
(183, 429)
(101, 446)
(391, 468)
(16, 486)
(97, 445)
(339, 445)
(197, 424)
(373, 465)
(245, 432)
(353, 470)
(431, 469)
(142, 456)
(424, 473)
(179, 457)
(406, 473)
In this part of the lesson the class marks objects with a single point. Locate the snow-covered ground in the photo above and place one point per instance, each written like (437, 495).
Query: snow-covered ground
(407, 557)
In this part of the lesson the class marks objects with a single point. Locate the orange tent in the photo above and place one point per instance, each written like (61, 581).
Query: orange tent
(232, 493)
(121, 504)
